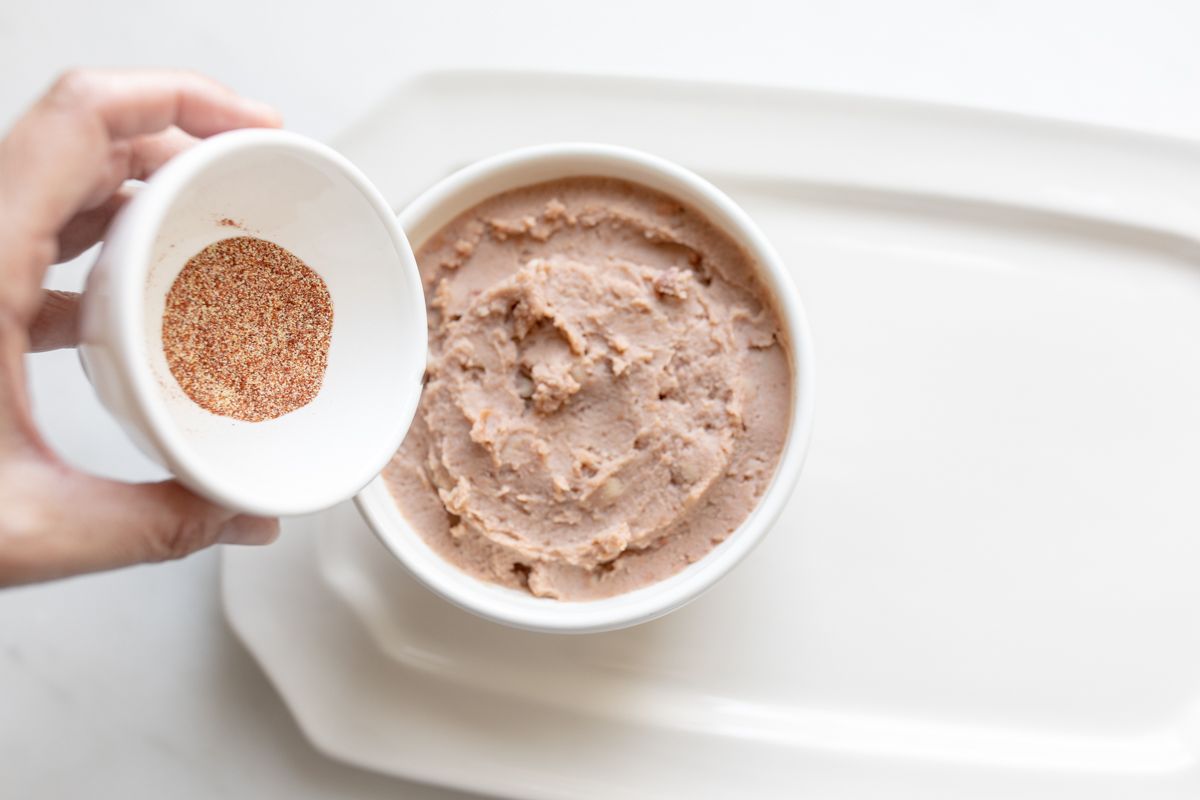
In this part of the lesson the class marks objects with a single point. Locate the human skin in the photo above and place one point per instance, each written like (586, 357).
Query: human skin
(62, 167)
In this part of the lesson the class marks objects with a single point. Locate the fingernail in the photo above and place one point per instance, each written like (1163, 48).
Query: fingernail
(263, 111)
(247, 530)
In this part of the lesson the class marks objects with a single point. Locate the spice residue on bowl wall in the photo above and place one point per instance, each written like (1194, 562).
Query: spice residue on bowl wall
(246, 329)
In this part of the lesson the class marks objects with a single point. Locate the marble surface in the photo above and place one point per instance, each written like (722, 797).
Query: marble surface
(129, 684)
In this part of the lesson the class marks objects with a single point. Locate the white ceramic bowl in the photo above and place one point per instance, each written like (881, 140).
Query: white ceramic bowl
(310, 200)
(441, 203)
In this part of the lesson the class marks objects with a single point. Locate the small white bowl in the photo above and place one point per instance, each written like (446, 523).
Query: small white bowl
(455, 194)
(305, 197)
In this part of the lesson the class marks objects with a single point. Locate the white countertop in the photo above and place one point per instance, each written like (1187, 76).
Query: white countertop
(129, 684)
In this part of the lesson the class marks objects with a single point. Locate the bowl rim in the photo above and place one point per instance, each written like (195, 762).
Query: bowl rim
(520, 610)
(140, 223)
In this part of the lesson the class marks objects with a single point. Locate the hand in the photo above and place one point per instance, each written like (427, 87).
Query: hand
(61, 170)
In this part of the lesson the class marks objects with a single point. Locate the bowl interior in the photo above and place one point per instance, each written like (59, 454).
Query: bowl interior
(435, 208)
(309, 203)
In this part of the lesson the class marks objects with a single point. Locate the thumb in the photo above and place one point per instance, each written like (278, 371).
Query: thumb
(162, 521)
(107, 524)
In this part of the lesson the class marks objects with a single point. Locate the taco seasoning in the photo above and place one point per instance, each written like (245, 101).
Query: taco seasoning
(246, 329)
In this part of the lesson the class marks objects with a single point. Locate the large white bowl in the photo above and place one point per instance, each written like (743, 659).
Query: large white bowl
(453, 195)
(310, 200)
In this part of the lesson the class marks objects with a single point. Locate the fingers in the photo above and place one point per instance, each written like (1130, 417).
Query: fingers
(137, 159)
(56, 324)
(134, 102)
(79, 523)
(77, 144)
(136, 523)
(161, 521)
(134, 159)
(150, 151)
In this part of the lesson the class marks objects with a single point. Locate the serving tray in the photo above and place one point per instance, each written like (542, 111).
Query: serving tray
(987, 583)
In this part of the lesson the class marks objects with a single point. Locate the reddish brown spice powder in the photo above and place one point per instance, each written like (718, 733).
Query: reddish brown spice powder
(246, 329)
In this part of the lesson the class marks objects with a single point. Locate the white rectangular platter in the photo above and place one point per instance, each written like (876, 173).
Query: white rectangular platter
(988, 581)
